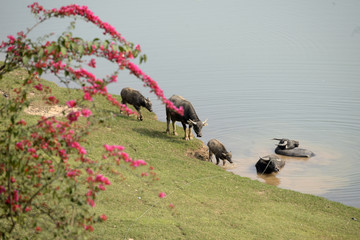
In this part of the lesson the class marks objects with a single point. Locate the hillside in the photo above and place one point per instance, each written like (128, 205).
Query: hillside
(203, 200)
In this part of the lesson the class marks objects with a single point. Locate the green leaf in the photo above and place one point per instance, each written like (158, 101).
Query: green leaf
(90, 45)
(25, 60)
(143, 58)
(39, 70)
(81, 49)
(106, 44)
(50, 48)
(121, 49)
(63, 51)
(41, 52)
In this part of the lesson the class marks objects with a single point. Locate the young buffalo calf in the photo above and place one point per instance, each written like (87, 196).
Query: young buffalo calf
(135, 98)
(219, 150)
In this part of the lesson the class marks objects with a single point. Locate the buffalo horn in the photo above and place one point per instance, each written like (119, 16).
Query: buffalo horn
(282, 144)
(191, 122)
(204, 123)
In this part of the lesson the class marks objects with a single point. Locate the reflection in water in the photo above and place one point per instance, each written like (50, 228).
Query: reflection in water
(300, 174)
(270, 179)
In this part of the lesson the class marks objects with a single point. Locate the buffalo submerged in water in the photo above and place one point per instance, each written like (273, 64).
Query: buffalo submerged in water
(291, 148)
(269, 164)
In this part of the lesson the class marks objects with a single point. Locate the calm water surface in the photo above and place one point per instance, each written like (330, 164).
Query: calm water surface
(256, 69)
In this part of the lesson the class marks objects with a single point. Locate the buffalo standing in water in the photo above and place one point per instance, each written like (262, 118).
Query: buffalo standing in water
(135, 98)
(291, 148)
(219, 150)
(269, 164)
(190, 117)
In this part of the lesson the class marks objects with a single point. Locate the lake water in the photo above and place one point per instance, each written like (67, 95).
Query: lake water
(255, 69)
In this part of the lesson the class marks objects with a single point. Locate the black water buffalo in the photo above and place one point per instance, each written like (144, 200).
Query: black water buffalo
(269, 164)
(219, 150)
(291, 148)
(135, 98)
(190, 117)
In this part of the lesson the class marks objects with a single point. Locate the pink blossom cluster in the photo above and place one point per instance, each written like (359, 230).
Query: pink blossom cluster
(76, 10)
(62, 139)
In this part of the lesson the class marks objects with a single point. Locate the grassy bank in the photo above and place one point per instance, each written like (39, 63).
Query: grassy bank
(209, 203)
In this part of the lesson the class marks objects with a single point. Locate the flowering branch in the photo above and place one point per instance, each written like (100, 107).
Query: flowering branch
(42, 166)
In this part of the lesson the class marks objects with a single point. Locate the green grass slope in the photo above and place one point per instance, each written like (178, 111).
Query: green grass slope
(209, 203)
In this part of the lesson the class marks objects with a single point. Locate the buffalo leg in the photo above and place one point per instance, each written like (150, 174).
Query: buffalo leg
(167, 121)
(185, 132)
(217, 160)
(139, 112)
(210, 155)
(191, 135)
(174, 128)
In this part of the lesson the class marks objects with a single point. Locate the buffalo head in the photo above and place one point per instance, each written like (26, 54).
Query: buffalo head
(227, 156)
(285, 143)
(198, 125)
(148, 104)
(269, 164)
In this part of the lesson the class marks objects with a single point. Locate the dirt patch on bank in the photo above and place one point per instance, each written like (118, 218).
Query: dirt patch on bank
(202, 153)
(49, 111)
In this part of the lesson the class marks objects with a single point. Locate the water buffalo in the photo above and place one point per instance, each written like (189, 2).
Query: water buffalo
(269, 164)
(291, 148)
(135, 98)
(219, 150)
(190, 117)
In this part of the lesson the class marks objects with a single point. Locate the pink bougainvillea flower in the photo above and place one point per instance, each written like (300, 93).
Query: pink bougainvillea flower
(86, 112)
(20, 146)
(113, 78)
(71, 103)
(89, 171)
(11, 38)
(70, 174)
(73, 116)
(171, 205)
(103, 217)
(91, 202)
(52, 100)
(87, 97)
(16, 207)
(2, 189)
(16, 195)
(89, 228)
(101, 178)
(21, 122)
(92, 63)
(162, 195)
(38, 87)
(138, 163)
(89, 193)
